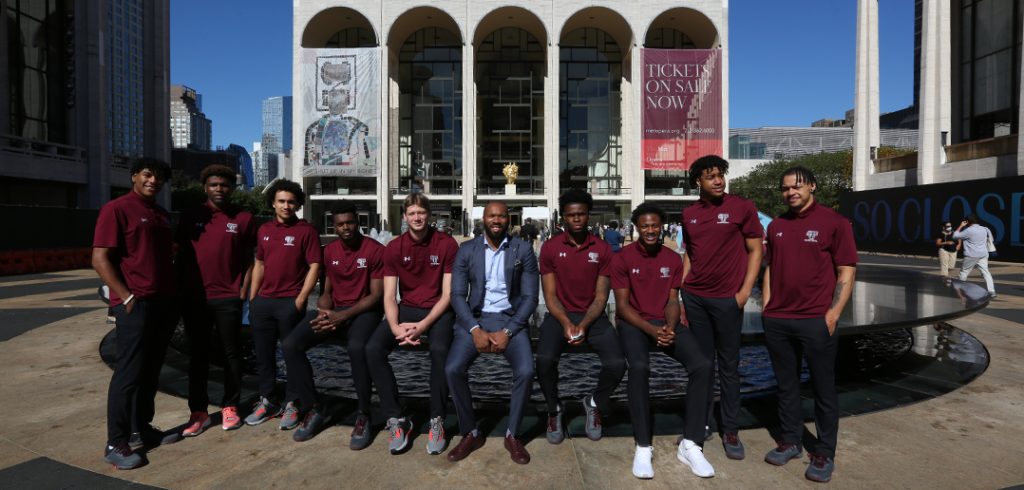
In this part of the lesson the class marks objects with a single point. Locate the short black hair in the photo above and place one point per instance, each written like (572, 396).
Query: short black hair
(648, 208)
(159, 168)
(343, 207)
(613, 224)
(575, 196)
(218, 170)
(971, 219)
(287, 186)
(803, 175)
(704, 163)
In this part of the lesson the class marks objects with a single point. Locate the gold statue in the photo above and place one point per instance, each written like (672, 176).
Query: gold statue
(511, 172)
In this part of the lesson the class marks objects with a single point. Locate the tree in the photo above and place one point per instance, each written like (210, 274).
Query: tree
(833, 171)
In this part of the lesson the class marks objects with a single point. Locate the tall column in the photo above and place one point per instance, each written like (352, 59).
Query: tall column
(935, 94)
(91, 36)
(632, 128)
(552, 155)
(386, 155)
(865, 105)
(1020, 125)
(469, 176)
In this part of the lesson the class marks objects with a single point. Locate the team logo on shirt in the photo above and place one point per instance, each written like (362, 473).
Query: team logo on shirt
(144, 220)
(693, 221)
(289, 241)
(435, 260)
(635, 271)
(593, 257)
(406, 259)
(360, 263)
(778, 235)
(561, 254)
(812, 236)
(335, 262)
(232, 228)
(266, 238)
(723, 218)
(664, 272)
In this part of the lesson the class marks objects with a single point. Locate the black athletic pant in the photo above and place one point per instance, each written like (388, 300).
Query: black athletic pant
(601, 337)
(209, 323)
(142, 338)
(717, 323)
(382, 343)
(271, 319)
(637, 345)
(353, 333)
(788, 340)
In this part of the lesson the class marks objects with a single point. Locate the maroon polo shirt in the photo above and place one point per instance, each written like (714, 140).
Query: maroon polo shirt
(575, 269)
(420, 266)
(287, 250)
(648, 277)
(350, 270)
(715, 236)
(215, 249)
(803, 252)
(139, 232)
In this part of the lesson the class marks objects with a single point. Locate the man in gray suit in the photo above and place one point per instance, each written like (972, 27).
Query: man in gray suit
(495, 287)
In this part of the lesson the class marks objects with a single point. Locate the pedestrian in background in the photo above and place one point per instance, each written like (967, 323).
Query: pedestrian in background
(976, 239)
(948, 248)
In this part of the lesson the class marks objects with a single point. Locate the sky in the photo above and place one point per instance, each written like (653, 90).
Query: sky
(791, 62)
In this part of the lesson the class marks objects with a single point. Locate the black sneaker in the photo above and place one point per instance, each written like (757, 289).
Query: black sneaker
(555, 431)
(782, 454)
(151, 437)
(312, 423)
(732, 445)
(820, 469)
(122, 457)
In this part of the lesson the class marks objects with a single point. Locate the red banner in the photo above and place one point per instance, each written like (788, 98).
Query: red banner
(682, 106)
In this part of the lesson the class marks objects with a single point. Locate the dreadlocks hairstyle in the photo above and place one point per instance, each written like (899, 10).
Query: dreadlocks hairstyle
(648, 208)
(803, 175)
(287, 186)
(575, 196)
(704, 163)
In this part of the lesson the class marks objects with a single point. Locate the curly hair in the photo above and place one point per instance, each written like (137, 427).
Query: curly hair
(648, 208)
(284, 185)
(705, 163)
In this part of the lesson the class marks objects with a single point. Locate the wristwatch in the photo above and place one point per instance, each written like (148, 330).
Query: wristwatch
(507, 332)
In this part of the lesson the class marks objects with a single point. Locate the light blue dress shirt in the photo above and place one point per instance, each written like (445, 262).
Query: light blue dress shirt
(496, 290)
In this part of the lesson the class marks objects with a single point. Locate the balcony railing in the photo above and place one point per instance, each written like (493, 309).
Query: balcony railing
(26, 146)
(991, 147)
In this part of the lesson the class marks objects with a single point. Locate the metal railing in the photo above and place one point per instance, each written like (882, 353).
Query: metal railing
(27, 146)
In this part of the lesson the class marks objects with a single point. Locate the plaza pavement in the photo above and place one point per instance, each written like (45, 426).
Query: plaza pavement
(53, 387)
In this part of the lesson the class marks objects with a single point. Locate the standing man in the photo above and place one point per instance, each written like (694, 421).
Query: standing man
(287, 266)
(723, 257)
(349, 309)
(530, 231)
(975, 238)
(812, 262)
(575, 270)
(948, 247)
(646, 278)
(612, 236)
(494, 293)
(215, 247)
(132, 253)
(417, 265)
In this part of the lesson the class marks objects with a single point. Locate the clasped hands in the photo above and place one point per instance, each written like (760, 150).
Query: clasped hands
(408, 333)
(664, 335)
(490, 342)
(327, 321)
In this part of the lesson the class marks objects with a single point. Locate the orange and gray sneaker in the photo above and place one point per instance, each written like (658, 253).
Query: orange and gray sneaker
(230, 419)
(197, 423)
(263, 411)
(436, 441)
(399, 429)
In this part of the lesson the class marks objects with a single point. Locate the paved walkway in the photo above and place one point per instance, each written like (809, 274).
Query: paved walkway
(54, 392)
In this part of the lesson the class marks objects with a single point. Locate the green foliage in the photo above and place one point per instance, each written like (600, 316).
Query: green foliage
(834, 172)
(186, 192)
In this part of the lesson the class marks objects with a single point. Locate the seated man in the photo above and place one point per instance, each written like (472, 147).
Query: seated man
(646, 278)
(348, 309)
(575, 269)
(494, 292)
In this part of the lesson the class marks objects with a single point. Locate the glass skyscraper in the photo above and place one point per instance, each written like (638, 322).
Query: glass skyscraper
(277, 136)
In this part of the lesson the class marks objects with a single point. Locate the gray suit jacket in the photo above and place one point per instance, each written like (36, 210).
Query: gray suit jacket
(469, 283)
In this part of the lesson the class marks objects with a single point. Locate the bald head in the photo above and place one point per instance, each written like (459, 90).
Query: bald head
(496, 222)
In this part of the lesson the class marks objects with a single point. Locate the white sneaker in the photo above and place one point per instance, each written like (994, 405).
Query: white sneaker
(642, 467)
(692, 455)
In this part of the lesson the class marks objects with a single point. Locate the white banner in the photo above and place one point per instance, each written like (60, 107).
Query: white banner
(340, 109)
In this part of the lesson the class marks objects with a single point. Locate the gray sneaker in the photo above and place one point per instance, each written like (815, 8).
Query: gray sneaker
(360, 433)
(782, 454)
(593, 425)
(399, 429)
(555, 431)
(311, 425)
(290, 417)
(263, 411)
(151, 437)
(436, 441)
(733, 446)
(820, 469)
(122, 457)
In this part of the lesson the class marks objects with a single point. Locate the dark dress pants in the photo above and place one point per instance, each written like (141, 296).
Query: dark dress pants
(209, 323)
(717, 323)
(272, 319)
(519, 355)
(637, 346)
(789, 340)
(601, 336)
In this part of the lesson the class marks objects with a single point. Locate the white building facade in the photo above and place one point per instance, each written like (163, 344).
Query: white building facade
(467, 87)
